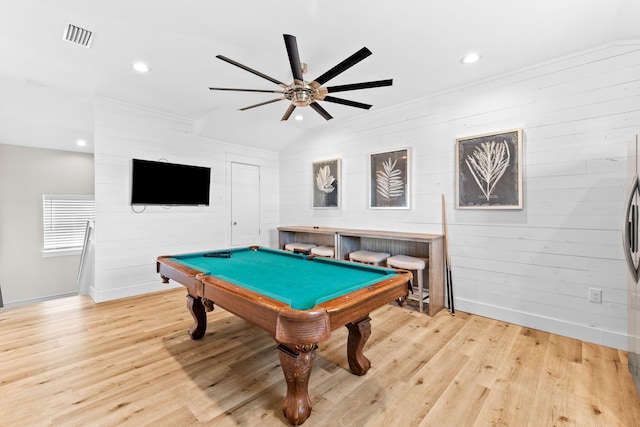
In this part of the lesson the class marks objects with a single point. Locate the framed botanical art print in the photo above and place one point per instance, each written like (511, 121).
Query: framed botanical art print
(489, 171)
(326, 184)
(389, 180)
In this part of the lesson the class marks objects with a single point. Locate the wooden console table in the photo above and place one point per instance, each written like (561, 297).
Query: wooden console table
(394, 243)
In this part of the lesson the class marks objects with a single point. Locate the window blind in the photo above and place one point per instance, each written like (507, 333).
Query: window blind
(65, 220)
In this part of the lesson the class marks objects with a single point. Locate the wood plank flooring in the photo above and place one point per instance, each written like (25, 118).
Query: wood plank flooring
(71, 362)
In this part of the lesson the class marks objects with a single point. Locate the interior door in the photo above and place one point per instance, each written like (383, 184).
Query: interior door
(245, 204)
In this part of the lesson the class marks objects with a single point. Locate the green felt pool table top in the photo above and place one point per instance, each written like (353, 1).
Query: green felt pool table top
(287, 277)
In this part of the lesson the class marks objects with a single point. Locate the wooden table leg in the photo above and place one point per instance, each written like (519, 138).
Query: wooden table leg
(358, 335)
(297, 362)
(197, 310)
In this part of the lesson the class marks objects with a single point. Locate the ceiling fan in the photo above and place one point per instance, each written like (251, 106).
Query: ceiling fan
(302, 93)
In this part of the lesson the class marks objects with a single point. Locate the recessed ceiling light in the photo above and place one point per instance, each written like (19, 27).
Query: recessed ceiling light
(470, 58)
(141, 67)
(81, 142)
(299, 117)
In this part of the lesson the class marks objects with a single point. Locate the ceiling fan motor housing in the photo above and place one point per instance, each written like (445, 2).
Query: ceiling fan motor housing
(301, 95)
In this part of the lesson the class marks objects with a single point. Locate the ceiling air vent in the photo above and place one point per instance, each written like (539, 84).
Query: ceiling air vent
(77, 35)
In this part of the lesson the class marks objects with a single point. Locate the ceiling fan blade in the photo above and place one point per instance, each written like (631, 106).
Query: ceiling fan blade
(251, 70)
(347, 102)
(356, 86)
(344, 65)
(247, 90)
(287, 113)
(321, 110)
(294, 56)
(260, 104)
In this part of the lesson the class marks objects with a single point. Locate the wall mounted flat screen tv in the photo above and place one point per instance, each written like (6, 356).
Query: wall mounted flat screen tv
(162, 183)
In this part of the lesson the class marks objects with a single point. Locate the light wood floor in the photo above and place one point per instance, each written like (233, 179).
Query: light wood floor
(130, 362)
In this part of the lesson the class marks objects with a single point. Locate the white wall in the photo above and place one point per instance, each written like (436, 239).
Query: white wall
(532, 266)
(25, 175)
(128, 243)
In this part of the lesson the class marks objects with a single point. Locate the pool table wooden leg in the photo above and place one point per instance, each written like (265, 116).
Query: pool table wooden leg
(297, 361)
(359, 333)
(197, 310)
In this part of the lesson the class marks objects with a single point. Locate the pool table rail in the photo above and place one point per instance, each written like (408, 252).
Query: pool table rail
(358, 304)
(282, 322)
(180, 273)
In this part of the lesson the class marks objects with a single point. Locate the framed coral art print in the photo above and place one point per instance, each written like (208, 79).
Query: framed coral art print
(326, 184)
(489, 171)
(389, 180)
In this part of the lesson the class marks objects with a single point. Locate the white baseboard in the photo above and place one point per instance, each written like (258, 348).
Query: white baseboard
(130, 291)
(37, 300)
(586, 333)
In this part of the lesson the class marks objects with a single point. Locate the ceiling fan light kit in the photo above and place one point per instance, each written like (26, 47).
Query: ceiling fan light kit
(301, 93)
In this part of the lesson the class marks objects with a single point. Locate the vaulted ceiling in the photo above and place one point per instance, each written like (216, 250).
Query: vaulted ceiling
(47, 84)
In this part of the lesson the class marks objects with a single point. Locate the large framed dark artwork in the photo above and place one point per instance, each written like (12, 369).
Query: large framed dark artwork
(326, 184)
(489, 171)
(389, 180)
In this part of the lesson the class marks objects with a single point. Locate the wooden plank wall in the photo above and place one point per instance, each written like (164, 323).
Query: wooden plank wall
(533, 266)
(128, 243)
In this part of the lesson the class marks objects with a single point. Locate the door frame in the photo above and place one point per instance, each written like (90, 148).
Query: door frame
(247, 160)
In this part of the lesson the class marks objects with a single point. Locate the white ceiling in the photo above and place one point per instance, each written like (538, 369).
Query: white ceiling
(47, 85)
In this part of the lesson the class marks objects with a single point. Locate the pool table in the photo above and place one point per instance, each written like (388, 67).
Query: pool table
(298, 299)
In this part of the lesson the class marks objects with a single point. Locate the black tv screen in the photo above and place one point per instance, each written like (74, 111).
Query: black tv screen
(162, 183)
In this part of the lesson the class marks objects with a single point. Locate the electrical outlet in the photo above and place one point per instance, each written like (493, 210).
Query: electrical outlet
(595, 295)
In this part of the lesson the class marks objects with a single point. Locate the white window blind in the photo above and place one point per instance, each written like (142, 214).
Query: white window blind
(65, 220)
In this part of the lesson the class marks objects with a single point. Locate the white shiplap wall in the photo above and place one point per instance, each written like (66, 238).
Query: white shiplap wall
(128, 243)
(532, 266)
